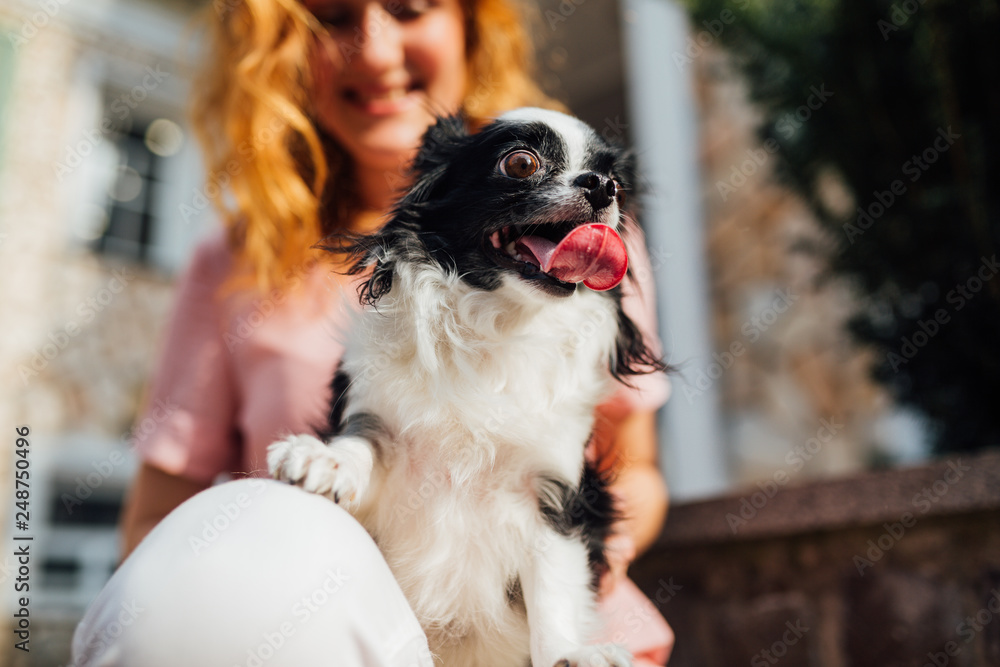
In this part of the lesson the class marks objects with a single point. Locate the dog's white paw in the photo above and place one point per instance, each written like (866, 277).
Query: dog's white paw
(602, 655)
(340, 470)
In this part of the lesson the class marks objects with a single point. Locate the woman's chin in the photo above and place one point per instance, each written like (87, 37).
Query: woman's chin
(391, 159)
(390, 149)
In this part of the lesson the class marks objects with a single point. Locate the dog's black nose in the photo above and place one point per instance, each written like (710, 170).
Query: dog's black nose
(597, 188)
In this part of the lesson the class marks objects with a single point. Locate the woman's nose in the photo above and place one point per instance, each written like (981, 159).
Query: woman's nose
(381, 39)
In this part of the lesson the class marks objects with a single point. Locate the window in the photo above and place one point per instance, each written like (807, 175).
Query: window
(131, 196)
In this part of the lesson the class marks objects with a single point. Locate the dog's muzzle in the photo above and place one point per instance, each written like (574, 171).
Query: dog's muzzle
(563, 254)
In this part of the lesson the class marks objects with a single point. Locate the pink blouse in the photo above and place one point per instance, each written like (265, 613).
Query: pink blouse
(236, 374)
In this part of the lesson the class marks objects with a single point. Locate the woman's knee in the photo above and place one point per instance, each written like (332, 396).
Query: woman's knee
(239, 562)
(230, 516)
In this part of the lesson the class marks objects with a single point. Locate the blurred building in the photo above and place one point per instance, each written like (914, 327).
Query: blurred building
(95, 158)
(96, 161)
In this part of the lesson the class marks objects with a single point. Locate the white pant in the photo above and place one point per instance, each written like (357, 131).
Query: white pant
(253, 573)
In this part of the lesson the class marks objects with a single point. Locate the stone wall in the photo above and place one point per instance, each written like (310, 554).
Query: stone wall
(891, 568)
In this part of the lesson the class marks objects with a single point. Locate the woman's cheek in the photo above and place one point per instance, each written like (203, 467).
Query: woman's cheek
(446, 68)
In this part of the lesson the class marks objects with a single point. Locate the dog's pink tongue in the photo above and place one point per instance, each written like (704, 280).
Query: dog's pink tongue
(593, 254)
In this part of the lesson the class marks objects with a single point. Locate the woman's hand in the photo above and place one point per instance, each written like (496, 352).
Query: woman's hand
(154, 494)
(626, 444)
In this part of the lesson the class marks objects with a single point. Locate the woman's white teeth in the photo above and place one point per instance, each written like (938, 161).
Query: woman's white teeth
(390, 95)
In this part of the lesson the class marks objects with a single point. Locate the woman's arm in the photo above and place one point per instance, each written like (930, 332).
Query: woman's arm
(639, 484)
(627, 445)
(153, 495)
(190, 401)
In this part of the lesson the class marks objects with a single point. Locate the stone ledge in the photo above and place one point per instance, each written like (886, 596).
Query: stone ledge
(866, 499)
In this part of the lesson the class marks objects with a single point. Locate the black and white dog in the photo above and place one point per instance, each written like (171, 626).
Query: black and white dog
(467, 392)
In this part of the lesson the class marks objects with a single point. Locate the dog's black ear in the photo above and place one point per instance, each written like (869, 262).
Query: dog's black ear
(400, 236)
(631, 355)
(364, 251)
(380, 281)
(439, 145)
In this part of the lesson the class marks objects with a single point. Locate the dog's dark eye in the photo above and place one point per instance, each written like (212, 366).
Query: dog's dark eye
(519, 164)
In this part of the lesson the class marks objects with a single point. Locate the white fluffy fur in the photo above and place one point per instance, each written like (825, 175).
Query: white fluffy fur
(482, 393)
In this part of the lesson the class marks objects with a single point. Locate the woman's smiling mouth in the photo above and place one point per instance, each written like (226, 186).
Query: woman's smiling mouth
(382, 100)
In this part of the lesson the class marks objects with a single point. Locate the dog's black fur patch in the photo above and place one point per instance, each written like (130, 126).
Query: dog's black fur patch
(587, 510)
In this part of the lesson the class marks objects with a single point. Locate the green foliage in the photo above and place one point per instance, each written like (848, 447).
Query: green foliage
(904, 78)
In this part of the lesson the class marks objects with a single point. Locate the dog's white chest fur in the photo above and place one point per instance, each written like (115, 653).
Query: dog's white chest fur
(482, 392)
(462, 374)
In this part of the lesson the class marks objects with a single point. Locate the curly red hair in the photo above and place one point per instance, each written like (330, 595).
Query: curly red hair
(282, 172)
